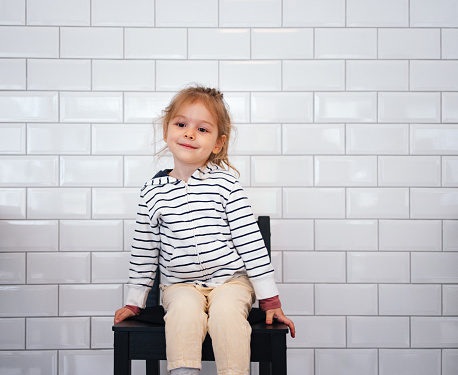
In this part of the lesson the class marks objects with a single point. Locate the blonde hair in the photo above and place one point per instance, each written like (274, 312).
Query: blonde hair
(214, 101)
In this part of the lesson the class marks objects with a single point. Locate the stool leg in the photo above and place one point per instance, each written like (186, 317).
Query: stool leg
(122, 363)
(265, 368)
(152, 367)
(279, 354)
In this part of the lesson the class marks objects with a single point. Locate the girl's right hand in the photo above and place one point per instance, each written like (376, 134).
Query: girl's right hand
(122, 314)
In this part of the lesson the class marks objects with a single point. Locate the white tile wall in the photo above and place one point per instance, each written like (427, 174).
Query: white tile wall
(346, 114)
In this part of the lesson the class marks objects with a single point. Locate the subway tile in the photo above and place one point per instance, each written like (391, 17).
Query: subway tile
(13, 12)
(318, 332)
(313, 139)
(314, 203)
(406, 235)
(182, 13)
(410, 361)
(434, 267)
(12, 74)
(377, 139)
(265, 201)
(449, 361)
(301, 361)
(314, 13)
(277, 263)
(378, 203)
(434, 332)
(13, 334)
(281, 171)
(284, 107)
(29, 170)
(292, 234)
(58, 333)
(42, 235)
(58, 138)
(59, 13)
(12, 203)
(378, 267)
(79, 362)
(155, 43)
(254, 139)
(408, 43)
(450, 299)
(345, 170)
(126, 203)
(28, 300)
(377, 75)
(345, 299)
(434, 75)
(449, 43)
(122, 13)
(138, 169)
(450, 235)
(243, 165)
(12, 268)
(313, 75)
(355, 235)
(53, 268)
(145, 108)
(91, 107)
(314, 267)
(434, 203)
(409, 171)
(58, 203)
(17, 106)
(285, 43)
(101, 333)
(220, 43)
(346, 107)
(410, 300)
(22, 41)
(105, 42)
(346, 361)
(251, 13)
(439, 139)
(239, 106)
(118, 272)
(426, 13)
(12, 138)
(250, 75)
(449, 108)
(341, 43)
(91, 235)
(89, 300)
(409, 107)
(29, 362)
(129, 228)
(297, 299)
(175, 75)
(377, 13)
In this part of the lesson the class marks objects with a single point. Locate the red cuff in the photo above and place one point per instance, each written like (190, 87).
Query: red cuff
(134, 309)
(270, 303)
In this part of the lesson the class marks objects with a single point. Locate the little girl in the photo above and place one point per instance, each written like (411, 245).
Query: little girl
(196, 228)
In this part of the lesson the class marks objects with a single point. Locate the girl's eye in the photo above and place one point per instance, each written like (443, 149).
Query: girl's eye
(202, 130)
(181, 125)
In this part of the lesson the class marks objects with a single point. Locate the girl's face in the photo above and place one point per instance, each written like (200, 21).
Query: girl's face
(192, 136)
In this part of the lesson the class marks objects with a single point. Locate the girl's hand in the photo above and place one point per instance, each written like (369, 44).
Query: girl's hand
(280, 316)
(122, 314)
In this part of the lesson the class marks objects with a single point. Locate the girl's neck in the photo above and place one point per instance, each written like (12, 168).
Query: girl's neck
(182, 172)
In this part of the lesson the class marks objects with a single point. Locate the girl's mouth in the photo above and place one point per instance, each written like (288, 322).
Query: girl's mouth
(188, 146)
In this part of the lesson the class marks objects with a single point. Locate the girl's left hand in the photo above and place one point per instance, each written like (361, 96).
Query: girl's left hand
(282, 318)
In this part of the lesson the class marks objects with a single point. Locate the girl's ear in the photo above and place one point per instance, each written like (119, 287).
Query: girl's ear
(219, 144)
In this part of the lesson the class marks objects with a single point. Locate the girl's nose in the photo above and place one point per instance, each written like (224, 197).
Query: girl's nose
(189, 135)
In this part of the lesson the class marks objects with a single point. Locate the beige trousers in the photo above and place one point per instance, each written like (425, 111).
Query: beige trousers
(192, 310)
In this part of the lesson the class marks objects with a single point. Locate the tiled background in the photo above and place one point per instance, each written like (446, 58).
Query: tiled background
(347, 118)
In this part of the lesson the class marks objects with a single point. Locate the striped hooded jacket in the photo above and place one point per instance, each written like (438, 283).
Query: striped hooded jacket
(200, 232)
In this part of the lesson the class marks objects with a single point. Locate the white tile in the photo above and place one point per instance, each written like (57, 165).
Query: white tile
(126, 203)
(408, 43)
(378, 13)
(93, 300)
(101, 333)
(13, 334)
(56, 12)
(42, 235)
(265, 201)
(378, 203)
(438, 203)
(301, 361)
(346, 235)
(58, 138)
(345, 170)
(410, 361)
(297, 299)
(345, 107)
(13, 12)
(449, 108)
(318, 332)
(277, 263)
(284, 43)
(345, 299)
(17, 106)
(450, 233)
(250, 75)
(434, 75)
(243, 165)
(110, 267)
(155, 43)
(378, 332)
(434, 267)
(58, 333)
(427, 13)
(12, 268)
(377, 75)
(239, 106)
(377, 139)
(410, 300)
(12, 138)
(28, 300)
(81, 362)
(129, 230)
(105, 42)
(292, 234)
(29, 362)
(250, 13)
(21, 41)
(378, 267)
(409, 171)
(314, 203)
(434, 332)
(145, 107)
(405, 235)
(182, 13)
(313, 139)
(12, 74)
(449, 43)
(314, 267)
(91, 235)
(91, 107)
(281, 171)
(29, 170)
(449, 361)
(53, 268)
(122, 13)
(220, 43)
(340, 43)
(12, 203)
(254, 139)
(282, 107)
(138, 169)
(314, 13)
(434, 139)
(176, 75)
(450, 296)
(346, 361)
(313, 75)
